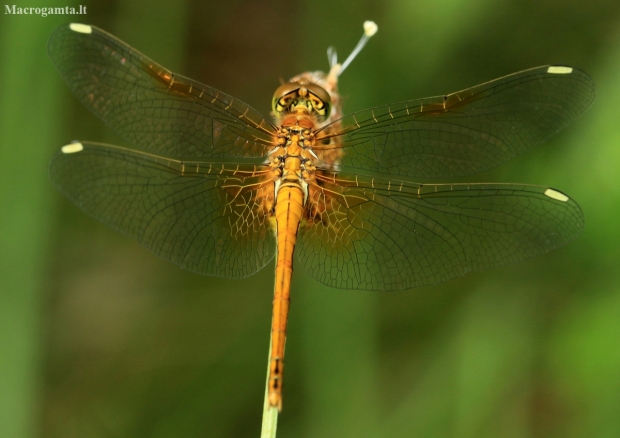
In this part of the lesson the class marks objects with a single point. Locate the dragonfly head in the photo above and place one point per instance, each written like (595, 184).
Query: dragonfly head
(315, 93)
(301, 96)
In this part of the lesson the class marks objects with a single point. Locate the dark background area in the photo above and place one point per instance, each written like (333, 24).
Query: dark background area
(100, 338)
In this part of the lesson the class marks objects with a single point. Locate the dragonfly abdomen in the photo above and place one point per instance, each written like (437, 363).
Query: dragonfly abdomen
(288, 213)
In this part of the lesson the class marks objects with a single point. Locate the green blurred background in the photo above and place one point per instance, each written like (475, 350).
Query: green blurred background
(100, 338)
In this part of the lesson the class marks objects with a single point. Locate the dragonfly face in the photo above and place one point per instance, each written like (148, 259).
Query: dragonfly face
(303, 98)
(335, 191)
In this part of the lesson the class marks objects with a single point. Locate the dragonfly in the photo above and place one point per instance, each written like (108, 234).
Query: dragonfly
(219, 189)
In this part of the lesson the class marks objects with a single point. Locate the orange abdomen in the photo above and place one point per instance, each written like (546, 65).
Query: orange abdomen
(288, 213)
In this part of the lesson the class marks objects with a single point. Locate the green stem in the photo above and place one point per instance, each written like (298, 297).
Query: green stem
(270, 413)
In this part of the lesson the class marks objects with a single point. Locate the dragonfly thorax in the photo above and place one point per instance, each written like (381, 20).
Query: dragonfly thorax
(296, 137)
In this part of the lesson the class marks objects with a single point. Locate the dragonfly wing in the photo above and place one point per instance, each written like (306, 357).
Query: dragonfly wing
(204, 217)
(465, 132)
(377, 234)
(150, 106)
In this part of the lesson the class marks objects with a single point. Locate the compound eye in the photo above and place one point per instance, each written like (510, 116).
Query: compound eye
(285, 89)
(278, 104)
(320, 99)
(317, 103)
(317, 96)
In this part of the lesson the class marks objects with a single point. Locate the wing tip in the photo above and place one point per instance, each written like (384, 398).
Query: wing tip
(81, 28)
(558, 196)
(559, 70)
(72, 148)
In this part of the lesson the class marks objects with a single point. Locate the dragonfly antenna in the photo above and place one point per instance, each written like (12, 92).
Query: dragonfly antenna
(370, 28)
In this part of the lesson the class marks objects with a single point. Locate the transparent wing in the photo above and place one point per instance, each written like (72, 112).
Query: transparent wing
(377, 234)
(204, 217)
(151, 107)
(465, 132)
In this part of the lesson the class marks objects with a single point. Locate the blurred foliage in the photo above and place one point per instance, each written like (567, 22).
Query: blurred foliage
(101, 338)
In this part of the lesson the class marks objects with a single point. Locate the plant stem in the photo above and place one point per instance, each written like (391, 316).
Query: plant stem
(270, 413)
